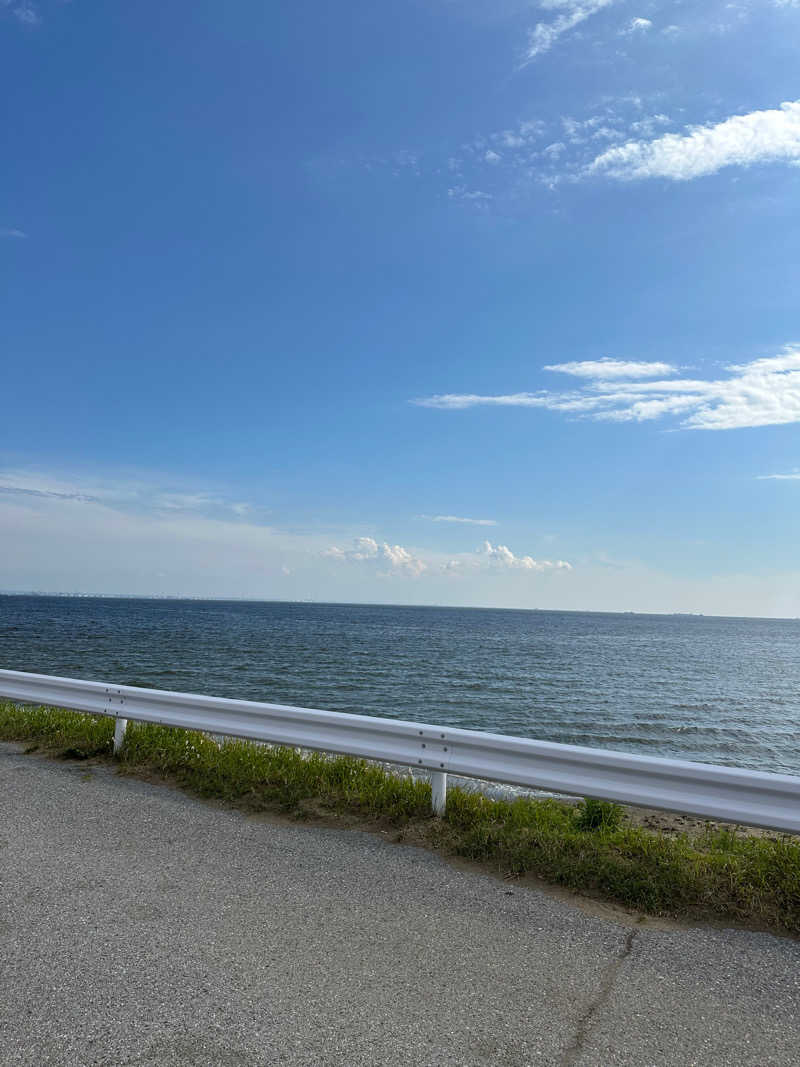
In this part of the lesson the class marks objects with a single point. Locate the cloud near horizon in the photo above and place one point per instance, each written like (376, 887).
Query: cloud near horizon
(189, 524)
(487, 558)
(502, 556)
(764, 392)
(367, 549)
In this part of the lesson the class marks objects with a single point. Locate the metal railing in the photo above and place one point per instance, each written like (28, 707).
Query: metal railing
(728, 794)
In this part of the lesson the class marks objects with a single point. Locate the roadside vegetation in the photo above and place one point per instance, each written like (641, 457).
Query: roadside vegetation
(589, 847)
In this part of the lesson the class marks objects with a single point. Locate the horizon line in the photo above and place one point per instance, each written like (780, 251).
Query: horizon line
(384, 604)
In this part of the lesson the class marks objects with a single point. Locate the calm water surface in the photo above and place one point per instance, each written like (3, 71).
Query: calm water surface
(709, 689)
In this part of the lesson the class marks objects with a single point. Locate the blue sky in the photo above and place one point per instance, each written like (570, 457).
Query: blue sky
(292, 292)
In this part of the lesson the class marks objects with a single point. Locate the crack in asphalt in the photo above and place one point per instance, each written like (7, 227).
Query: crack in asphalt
(576, 1045)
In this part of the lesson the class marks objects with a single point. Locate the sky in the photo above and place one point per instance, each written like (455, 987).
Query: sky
(470, 302)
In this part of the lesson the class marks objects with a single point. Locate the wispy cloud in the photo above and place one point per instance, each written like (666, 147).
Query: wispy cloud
(459, 518)
(571, 14)
(742, 140)
(542, 399)
(764, 392)
(461, 192)
(11, 231)
(131, 496)
(511, 161)
(507, 163)
(606, 369)
(793, 477)
(23, 11)
(46, 494)
(24, 483)
(59, 535)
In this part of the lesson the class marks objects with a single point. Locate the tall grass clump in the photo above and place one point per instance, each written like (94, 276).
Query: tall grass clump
(75, 734)
(589, 847)
(599, 815)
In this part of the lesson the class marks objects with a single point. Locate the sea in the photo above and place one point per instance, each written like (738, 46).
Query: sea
(713, 690)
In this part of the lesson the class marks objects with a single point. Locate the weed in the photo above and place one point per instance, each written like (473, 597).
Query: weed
(598, 815)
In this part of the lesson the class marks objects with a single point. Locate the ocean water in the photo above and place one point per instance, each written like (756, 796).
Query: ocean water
(715, 690)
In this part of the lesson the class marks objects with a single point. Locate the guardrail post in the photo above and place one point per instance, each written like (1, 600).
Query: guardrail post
(120, 727)
(438, 792)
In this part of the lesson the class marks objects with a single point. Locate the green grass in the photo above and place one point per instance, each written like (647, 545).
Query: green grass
(721, 875)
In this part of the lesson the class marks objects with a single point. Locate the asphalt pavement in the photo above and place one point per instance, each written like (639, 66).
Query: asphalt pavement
(141, 926)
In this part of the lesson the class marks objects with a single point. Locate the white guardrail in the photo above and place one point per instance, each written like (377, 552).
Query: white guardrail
(729, 794)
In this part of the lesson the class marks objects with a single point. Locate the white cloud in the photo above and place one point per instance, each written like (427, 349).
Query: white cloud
(573, 12)
(488, 559)
(367, 549)
(363, 548)
(794, 477)
(459, 518)
(742, 140)
(502, 556)
(11, 231)
(612, 368)
(637, 25)
(401, 559)
(491, 156)
(461, 192)
(543, 399)
(460, 401)
(764, 392)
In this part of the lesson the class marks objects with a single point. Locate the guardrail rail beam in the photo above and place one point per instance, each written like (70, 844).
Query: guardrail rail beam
(727, 794)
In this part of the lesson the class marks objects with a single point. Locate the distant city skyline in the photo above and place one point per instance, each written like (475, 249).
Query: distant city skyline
(457, 303)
